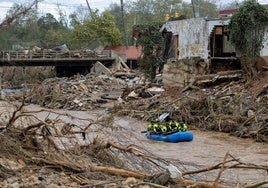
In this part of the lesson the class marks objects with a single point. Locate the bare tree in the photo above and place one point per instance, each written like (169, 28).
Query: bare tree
(20, 11)
(11, 18)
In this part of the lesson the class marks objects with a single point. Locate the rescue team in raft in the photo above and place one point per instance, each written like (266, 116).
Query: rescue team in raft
(155, 126)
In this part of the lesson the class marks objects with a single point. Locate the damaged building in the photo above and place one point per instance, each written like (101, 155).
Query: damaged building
(199, 46)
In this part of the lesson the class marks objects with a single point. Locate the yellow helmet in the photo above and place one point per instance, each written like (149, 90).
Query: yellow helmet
(164, 128)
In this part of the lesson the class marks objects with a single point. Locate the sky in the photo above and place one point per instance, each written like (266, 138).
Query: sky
(70, 6)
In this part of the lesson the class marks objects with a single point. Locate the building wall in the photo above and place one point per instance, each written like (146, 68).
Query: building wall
(192, 37)
(193, 49)
(264, 51)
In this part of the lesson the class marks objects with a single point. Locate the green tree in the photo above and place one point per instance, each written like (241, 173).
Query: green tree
(115, 10)
(208, 9)
(98, 30)
(247, 29)
(51, 31)
(153, 42)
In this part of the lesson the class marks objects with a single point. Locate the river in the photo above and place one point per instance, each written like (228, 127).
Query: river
(206, 150)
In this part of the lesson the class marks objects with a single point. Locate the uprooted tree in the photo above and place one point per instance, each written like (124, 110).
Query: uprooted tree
(247, 29)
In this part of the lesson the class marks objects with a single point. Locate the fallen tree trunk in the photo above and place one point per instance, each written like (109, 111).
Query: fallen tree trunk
(117, 171)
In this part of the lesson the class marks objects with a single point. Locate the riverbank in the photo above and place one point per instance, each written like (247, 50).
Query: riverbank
(127, 148)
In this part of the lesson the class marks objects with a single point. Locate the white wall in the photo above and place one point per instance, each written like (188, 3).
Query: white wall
(264, 51)
(192, 37)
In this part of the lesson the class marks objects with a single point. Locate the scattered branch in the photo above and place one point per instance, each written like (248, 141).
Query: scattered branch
(257, 185)
(59, 164)
(222, 169)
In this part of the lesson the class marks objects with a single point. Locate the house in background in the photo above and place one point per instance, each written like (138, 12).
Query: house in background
(131, 53)
(227, 13)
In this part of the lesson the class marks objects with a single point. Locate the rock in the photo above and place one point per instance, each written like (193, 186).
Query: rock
(175, 173)
(163, 178)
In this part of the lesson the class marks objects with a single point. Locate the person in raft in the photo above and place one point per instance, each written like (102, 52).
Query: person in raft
(155, 126)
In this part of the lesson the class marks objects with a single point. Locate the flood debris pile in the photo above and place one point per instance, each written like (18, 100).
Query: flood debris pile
(55, 52)
(50, 152)
(55, 153)
(81, 92)
(236, 107)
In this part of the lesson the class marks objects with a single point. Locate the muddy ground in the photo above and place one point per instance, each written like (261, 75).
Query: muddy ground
(54, 152)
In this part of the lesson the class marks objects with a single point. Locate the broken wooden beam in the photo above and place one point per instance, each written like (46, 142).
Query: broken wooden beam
(219, 77)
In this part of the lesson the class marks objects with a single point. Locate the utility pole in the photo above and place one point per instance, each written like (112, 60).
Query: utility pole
(196, 8)
(1, 76)
(90, 11)
(36, 5)
(124, 25)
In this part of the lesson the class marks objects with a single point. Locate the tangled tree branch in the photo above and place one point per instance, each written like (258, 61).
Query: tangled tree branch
(17, 14)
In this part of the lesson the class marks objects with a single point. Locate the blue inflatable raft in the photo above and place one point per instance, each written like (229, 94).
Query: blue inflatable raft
(171, 137)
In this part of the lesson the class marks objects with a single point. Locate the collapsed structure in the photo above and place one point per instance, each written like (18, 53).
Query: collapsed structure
(199, 46)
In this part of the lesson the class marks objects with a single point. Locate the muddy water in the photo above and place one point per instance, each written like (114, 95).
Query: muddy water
(206, 150)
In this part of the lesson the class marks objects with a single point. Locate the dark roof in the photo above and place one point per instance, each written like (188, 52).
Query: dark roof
(228, 11)
(132, 52)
